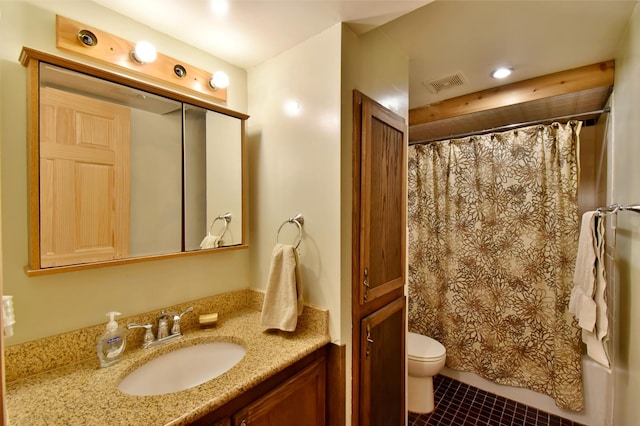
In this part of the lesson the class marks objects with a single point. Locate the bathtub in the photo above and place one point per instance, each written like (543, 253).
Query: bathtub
(598, 393)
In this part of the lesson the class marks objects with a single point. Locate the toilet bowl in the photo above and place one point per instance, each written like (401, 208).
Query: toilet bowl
(426, 358)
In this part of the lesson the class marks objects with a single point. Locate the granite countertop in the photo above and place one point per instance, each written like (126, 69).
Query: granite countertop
(83, 393)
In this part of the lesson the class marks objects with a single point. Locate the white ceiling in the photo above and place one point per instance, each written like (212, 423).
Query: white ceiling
(441, 37)
(252, 31)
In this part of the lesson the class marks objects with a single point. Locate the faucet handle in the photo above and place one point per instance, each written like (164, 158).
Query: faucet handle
(189, 309)
(176, 315)
(175, 329)
(148, 334)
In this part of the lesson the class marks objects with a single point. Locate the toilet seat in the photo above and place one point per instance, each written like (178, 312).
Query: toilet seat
(424, 348)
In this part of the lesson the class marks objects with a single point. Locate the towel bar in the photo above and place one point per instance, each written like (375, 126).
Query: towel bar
(615, 208)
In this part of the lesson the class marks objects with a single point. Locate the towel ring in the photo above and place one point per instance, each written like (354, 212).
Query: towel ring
(298, 220)
(226, 217)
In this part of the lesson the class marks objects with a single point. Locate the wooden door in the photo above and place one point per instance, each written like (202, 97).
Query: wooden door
(84, 179)
(298, 401)
(382, 380)
(383, 200)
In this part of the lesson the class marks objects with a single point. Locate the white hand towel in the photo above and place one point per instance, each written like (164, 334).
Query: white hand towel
(211, 241)
(283, 300)
(588, 301)
(581, 303)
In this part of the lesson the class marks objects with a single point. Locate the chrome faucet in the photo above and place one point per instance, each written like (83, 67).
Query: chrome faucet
(163, 335)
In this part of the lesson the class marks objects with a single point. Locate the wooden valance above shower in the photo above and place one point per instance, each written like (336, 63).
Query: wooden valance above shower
(560, 83)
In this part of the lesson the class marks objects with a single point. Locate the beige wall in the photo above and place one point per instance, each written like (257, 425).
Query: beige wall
(294, 164)
(53, 304)
(624, 185)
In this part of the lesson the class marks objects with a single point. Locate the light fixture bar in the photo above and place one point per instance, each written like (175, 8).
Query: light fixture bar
(116, 51)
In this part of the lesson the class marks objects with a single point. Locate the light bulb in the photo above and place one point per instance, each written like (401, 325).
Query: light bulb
(144, 52)
(220, 80)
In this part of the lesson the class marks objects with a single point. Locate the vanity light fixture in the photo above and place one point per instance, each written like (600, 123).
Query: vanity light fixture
(502, 72)
(144, 52)
(79, 38)
(219, 80)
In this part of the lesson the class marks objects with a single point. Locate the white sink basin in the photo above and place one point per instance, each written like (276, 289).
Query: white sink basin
(182, 369)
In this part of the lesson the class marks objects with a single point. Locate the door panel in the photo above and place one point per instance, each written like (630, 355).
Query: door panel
(84, 169)
(382, 399)
(300, 400)
(383, 202)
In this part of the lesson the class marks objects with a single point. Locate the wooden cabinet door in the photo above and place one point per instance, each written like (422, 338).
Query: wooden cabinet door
(382, 378)
(84, 179)
(298, 401)
(378, 264)
(382, 201)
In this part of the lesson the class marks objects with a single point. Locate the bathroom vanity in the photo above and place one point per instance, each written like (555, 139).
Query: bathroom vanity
(282, 375)
(297, 393)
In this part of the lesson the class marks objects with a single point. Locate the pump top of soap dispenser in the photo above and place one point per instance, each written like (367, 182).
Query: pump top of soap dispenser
(112, 325)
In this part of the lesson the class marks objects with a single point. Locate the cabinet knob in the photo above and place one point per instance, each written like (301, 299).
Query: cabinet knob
(243, 423)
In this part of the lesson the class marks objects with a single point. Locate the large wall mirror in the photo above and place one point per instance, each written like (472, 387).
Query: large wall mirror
(121, 171)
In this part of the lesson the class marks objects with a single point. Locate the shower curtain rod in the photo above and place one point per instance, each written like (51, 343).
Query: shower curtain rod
(510, 126)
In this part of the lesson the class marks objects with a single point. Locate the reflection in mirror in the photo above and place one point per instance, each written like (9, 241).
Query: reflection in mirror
(126, 173)
(213, 179)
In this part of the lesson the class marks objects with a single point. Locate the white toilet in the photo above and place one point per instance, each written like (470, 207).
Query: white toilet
(426, 358)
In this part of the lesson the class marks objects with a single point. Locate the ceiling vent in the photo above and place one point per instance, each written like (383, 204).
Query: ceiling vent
(444, 83)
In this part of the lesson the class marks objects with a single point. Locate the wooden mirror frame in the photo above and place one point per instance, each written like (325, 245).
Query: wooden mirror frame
(31, 59)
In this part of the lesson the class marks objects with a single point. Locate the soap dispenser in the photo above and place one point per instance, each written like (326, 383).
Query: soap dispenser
(112, 343)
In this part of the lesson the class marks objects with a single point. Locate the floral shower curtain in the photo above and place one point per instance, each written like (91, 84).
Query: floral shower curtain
(493, 232)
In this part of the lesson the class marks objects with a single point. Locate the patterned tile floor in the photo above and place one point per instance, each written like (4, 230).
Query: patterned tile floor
(458, 404)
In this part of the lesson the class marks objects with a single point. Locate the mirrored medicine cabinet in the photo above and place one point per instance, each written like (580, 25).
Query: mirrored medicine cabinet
(122, 170)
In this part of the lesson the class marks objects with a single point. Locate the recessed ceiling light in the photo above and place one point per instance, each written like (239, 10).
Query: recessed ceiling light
(501, 73)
